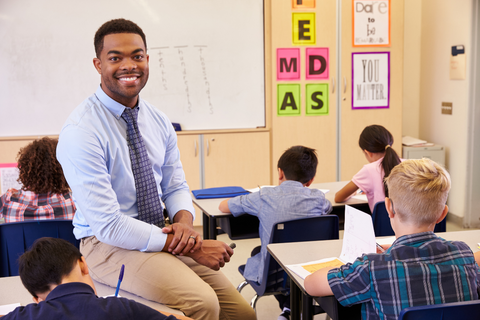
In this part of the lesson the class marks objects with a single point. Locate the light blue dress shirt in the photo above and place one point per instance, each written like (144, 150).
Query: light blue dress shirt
(288, 201)
(94, 155)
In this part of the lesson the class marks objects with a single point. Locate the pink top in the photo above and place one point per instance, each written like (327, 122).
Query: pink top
(370, 180)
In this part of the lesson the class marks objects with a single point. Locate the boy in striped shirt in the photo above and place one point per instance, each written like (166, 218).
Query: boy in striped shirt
(419, 268)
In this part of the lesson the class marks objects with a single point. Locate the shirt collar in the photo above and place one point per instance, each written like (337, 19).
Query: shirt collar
(416, 237)
(292, 183)
(115, 108)
(68, 289)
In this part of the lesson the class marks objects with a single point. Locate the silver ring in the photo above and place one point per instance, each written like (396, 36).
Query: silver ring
(192, 237)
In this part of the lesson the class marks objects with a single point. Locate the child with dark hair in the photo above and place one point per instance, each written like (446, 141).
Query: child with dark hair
(376, 142)
(45, 193)
(287, 201)
(56, 274)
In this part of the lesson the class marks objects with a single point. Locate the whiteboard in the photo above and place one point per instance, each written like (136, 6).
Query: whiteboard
(206, 60)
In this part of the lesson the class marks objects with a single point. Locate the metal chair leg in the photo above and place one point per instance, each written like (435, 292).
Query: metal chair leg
(253, 303)
(242, 285)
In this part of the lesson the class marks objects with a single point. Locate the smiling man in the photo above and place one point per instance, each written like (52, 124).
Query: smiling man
(120, 157)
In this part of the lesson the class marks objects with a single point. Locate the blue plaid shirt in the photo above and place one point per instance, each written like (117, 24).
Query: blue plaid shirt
(418, 269)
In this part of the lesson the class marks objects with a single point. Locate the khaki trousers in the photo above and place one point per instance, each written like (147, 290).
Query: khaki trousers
(175, 281)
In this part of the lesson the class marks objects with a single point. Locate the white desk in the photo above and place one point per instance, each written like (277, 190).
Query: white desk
(211, 212)
(300, 252)
(13, 291)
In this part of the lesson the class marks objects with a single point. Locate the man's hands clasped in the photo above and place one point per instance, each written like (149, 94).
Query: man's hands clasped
(186, 241)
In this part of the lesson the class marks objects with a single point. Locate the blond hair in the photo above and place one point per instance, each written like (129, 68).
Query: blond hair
(418, 190)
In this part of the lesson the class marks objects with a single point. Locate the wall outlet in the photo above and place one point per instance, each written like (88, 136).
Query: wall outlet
(447, 107)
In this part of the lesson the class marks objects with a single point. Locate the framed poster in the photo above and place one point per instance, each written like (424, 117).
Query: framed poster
(371, 23)
(370, 80)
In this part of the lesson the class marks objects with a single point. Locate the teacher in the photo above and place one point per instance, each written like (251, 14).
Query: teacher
(120, 157)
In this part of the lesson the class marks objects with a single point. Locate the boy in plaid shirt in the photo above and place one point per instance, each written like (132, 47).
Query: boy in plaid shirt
(419, 268)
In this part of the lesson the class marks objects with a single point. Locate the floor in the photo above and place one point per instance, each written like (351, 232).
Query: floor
(267, 307)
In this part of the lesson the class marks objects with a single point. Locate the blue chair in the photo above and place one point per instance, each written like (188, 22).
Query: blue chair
(381, 221)
(445, 311)
(18, 237)
(274, 277)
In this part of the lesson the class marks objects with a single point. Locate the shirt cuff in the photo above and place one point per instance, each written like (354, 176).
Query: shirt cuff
(157, 240)
(178, 202)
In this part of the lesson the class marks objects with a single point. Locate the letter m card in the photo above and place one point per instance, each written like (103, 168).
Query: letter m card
(288, 64)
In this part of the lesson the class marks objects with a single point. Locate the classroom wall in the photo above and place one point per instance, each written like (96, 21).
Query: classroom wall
(411, 68)
(446, 23)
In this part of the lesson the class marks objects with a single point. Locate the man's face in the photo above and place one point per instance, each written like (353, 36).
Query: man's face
(123, 66)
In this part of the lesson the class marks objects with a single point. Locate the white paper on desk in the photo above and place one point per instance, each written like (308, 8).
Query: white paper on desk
(358, 238)
(7, 308)
(410, 141)
(301, 268)
(325, 191)
(358, 235)
(387, 240)
(362, 197)
(258, 188)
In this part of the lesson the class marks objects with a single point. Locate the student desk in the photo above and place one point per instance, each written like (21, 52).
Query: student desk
(211, 213)
(13, 291)
(301, 252)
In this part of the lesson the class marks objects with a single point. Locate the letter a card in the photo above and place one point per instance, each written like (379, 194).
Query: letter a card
(370, 80)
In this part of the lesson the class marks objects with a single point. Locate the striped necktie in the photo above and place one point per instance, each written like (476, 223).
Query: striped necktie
(149, 207)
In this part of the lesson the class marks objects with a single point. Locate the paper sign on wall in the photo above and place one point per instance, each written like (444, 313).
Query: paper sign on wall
(458, 63)
(288, 100)
(288, 64)
(303, 28)
(8, 177)
(317, 64)
(316, 99)
(303, 4)
(371, 23)
(370, 80)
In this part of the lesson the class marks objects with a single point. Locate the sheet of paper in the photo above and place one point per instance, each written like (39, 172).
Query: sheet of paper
(457, 67)
(387, 240)
(8, 177)
(325, 191)
(258, 188)
(305, 269)
(410, 141)
(362, 197)
(358, 236)
(7, 308)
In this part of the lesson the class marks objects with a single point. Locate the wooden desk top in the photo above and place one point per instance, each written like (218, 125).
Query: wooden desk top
(210, 206)
(301, 252)
(13, 291)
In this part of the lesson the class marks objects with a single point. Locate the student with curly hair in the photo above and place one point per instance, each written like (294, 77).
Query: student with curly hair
(45, 193)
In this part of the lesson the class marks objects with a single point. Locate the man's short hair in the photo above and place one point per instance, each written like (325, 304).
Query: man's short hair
(116, 26)
(418, 190)
(46, 263)
(299, 163)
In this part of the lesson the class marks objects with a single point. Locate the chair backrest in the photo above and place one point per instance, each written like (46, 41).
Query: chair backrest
(309, 229)
(381, 221)
(18, 237)
(446, 311)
